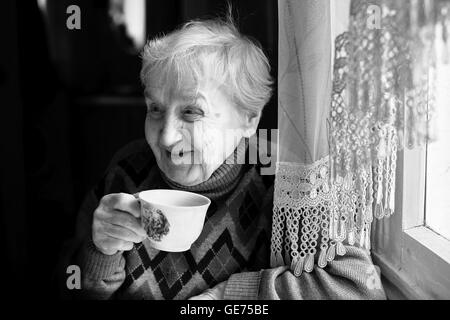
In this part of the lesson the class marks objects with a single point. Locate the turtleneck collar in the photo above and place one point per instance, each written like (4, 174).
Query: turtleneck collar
(223, 180)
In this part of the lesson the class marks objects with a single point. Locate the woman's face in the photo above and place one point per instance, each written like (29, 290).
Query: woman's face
(192, 136)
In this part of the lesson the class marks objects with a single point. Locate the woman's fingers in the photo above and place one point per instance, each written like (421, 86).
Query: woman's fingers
(116, 224)
(110, 246)
(123, 210)
(123, 202)
(125, 220)
(122, 233)
(126, 246)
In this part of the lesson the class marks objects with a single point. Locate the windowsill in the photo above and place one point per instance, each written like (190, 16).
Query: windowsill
(432, 241)
(423, 269)
(396, 283)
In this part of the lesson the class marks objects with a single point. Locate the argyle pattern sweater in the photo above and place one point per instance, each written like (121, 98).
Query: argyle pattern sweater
(233, 246)
(235, 236)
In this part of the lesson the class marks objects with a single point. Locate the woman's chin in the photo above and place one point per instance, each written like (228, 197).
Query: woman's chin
(184, 175)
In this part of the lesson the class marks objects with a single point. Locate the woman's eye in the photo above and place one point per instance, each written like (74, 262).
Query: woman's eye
(192, 113)
(154, 110)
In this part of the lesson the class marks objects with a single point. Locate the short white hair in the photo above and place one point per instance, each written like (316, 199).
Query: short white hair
(210, 50)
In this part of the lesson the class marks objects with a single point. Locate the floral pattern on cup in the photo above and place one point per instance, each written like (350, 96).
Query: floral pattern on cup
(155, 224)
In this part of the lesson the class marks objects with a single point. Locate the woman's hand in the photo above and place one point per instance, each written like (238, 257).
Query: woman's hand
(216, 293)
(116, 224)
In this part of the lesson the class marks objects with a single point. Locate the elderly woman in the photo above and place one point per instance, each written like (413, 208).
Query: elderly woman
(205, 88)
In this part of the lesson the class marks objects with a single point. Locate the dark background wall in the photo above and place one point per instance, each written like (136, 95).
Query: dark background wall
(70, 99)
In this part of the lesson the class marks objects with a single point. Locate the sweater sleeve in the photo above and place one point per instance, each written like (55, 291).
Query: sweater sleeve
(352, 276)
(349, 277)
(101, 275)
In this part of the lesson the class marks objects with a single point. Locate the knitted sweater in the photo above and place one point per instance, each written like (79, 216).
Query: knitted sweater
(234, 244)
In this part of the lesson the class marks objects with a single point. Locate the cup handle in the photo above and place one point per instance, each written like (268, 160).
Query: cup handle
(136, 195)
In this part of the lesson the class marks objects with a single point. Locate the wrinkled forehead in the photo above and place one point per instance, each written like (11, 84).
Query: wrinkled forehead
(165, 84)
(187, 91)
(165, 94)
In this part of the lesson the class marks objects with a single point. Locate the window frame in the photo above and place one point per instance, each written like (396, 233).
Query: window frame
(414, 260)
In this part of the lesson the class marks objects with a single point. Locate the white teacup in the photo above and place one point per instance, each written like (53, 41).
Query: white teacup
(173, 219)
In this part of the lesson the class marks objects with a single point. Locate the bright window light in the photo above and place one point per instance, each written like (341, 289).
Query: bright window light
(437, 216)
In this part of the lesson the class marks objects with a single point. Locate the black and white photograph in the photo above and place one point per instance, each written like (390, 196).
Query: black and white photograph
(225, 150)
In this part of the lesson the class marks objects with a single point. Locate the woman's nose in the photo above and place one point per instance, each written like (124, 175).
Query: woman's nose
(170, 133)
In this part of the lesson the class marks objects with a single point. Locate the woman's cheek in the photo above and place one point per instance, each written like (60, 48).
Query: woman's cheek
(151, 135)
(209, 141)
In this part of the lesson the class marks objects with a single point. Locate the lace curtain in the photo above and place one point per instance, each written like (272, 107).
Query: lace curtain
(355, 84)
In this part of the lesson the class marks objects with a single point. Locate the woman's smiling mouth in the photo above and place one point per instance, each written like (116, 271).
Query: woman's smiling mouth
(175, 158)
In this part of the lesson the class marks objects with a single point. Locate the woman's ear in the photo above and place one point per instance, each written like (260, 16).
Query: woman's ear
(251, 122)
